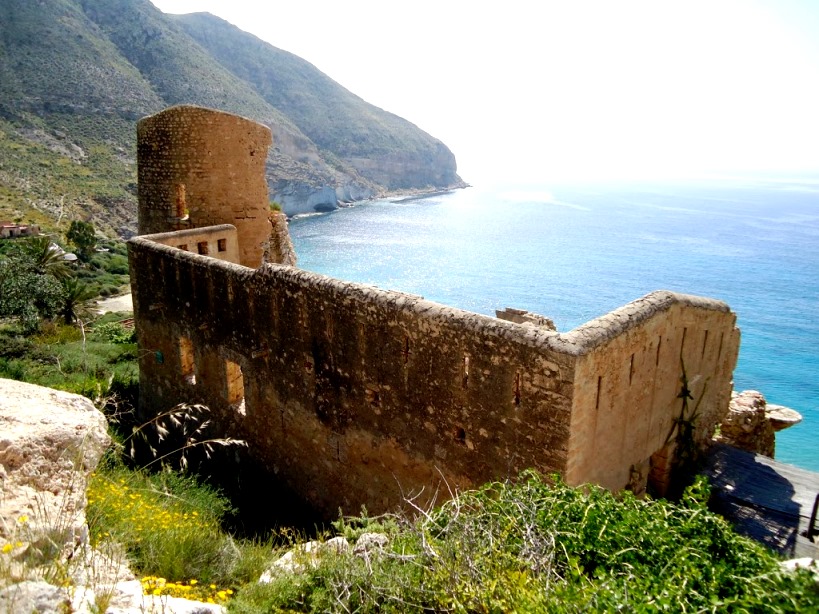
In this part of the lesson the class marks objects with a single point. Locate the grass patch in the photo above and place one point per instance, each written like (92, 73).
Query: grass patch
(60, 357)
(170, 527)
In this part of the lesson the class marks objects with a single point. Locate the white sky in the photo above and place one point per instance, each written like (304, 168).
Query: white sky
(538, 90)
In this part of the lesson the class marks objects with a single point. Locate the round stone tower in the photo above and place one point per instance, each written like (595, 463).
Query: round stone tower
(200, 167)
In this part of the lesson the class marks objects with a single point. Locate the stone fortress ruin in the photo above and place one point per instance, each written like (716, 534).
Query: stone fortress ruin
(355, 395)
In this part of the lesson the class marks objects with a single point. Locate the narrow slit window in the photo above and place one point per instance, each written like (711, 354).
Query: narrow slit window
(599, 387)
(631, 370)
(202, 247)
(517, 389)
(186, 360)
(465, 381)
(181, 200)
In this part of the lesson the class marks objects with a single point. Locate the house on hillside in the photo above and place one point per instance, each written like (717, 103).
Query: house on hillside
(12, 230)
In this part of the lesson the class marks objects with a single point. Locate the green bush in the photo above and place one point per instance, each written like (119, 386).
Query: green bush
(535, 547)
(13, 345)
(114, 332)
(12, 368)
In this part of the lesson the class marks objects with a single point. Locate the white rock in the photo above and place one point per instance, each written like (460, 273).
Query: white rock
(50, 441)
(299, 558)
(782, 417)
(367, 542)
(125, 598)
(39, 597)
(129, 599)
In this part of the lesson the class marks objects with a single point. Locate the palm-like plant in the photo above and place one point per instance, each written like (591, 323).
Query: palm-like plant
(76, 300)
(47, 258)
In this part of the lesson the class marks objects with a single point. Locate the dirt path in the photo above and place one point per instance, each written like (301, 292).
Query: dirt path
(116, 303)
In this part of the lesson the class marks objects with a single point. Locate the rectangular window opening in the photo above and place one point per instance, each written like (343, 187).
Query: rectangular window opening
(187, 365)
(235, 386)
(202, 247)
(183, 247)
(221, 245)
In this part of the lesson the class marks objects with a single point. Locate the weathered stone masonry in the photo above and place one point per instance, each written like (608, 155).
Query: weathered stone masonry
(355, 395)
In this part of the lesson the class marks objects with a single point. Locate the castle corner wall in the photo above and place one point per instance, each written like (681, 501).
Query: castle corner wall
(628, 384)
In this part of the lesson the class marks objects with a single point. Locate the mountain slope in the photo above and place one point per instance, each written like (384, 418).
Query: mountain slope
(75, 75)
(372, 140)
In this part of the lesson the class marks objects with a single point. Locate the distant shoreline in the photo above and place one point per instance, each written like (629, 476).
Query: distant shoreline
(402, 198)
(398, 196)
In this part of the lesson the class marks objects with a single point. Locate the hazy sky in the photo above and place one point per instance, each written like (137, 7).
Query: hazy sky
(534, 90)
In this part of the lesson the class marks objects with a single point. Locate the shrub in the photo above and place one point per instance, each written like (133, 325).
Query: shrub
(535, 547)
(114, 332)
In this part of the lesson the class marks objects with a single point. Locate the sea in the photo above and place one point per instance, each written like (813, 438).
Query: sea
(575, 251)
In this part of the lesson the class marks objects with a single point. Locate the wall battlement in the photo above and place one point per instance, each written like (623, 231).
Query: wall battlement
(355, 395)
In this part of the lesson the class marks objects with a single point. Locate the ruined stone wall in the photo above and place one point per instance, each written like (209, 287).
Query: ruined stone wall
(358, 396)
(198, 167)
(355, 395)
(627, 386)
(351, 394)
(281, 250)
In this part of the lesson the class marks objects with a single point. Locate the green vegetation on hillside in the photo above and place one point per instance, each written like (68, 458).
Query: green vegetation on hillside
(535, 547)
(529, 546)
(46, 179)
(49, 334)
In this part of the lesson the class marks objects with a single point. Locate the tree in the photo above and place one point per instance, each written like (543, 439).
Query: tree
(27, 295)
(82, 236)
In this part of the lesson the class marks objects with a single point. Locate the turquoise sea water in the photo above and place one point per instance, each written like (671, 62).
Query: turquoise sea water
(575, 252)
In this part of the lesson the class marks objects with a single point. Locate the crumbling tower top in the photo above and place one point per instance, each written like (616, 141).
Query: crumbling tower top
(200, 167)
